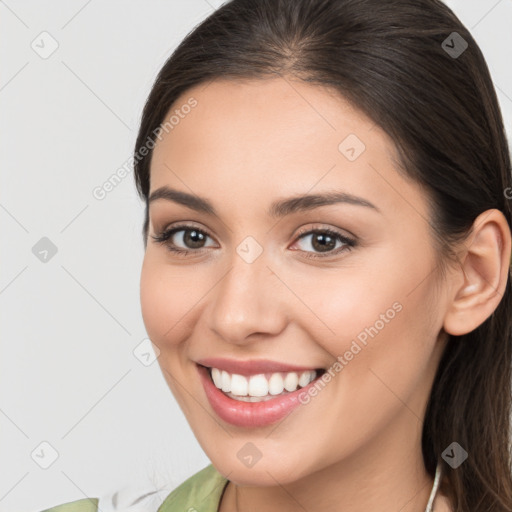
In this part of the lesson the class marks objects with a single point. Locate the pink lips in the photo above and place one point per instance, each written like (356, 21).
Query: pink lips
(251, 367)
(249, 414)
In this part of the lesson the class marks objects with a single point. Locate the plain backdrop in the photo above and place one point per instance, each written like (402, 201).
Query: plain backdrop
(80, 413)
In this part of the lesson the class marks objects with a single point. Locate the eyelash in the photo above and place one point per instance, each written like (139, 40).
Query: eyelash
(164, 236)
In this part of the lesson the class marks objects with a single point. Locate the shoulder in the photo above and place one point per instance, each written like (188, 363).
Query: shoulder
(201, 492)
(85, 505)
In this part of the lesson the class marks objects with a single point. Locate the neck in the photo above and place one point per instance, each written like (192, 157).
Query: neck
(389, 475)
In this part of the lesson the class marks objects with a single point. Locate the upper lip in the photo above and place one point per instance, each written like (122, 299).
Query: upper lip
(251, 366)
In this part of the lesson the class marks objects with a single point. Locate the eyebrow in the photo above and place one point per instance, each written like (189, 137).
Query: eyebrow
(279, 208)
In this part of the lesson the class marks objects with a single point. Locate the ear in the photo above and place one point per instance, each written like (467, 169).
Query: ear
(479, 283)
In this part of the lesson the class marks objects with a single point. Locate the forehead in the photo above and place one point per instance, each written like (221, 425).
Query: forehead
(267, 117)
(273, 138)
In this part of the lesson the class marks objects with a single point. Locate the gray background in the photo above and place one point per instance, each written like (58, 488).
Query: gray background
(70, 323)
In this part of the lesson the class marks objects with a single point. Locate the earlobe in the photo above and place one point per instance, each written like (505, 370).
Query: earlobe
(483, 272)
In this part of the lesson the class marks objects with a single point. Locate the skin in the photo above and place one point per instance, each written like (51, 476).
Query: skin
(357, 445)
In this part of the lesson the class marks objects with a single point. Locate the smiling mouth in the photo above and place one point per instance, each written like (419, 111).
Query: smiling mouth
(263, 386)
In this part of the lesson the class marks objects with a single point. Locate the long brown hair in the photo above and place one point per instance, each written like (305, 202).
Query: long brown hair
(400, 63)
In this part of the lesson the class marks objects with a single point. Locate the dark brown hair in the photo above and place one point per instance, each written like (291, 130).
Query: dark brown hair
(391, 59)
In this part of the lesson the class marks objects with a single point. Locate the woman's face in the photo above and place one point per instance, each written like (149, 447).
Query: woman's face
(258, 285)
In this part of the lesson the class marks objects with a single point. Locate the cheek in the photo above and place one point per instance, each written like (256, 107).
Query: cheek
(376, 314)
(165, 301)
(387, 352)
(341, 304)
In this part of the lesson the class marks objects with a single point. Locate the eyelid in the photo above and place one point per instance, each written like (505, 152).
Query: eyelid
(302, 230)
(318, 226)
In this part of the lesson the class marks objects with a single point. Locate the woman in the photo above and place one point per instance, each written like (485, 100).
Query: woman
(327, 259)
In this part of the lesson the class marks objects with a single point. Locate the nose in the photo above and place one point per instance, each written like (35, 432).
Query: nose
(248, 301)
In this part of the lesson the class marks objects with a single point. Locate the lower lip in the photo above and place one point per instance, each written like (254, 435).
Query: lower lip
(250, 414)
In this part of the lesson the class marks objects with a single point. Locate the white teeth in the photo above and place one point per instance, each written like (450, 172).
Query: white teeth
(226, 381)
(239, 385)
(304, 379)
(217, 379)
(275, 384)
(291, 381)
(258, 386)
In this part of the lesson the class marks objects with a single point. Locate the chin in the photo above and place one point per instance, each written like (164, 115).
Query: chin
(265, 471)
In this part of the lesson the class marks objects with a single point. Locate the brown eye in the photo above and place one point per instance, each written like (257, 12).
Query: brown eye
(324, 243)
(191, 239)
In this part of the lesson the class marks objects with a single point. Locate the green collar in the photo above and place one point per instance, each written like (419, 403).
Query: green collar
(200, 493)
